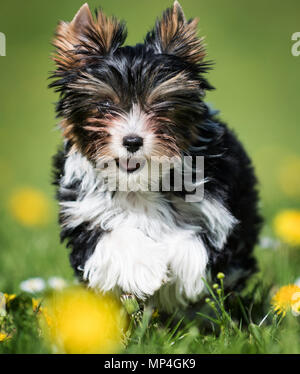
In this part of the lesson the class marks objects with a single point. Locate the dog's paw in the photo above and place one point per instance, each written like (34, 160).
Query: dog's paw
(129, 260)
(188, 261)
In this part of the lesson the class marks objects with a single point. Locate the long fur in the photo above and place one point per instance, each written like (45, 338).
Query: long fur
(153, 244)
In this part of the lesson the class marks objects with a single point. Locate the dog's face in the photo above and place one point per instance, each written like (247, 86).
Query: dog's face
(129, 103)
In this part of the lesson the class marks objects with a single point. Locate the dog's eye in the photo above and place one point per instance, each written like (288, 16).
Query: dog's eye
(106, 103)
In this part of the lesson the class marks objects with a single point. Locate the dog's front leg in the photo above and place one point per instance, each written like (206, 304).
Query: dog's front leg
(188, 260)
(127, 260)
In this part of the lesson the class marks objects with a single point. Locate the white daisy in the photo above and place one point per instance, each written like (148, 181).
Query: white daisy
(297, 282)
(57, 283)
(296, 304)
(33, 285)
(268, 243)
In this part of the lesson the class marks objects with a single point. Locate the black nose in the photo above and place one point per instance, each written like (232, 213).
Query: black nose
(132, 142)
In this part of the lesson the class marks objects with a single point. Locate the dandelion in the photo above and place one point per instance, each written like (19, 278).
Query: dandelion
(83, 322)
(35, 304)
(282, 301)
(57, 283)
(287, 226)
(155, 314)
(296, 296)
(42, 312)
(33, 285)
(3, 336)
(29, 206)
(9, 297)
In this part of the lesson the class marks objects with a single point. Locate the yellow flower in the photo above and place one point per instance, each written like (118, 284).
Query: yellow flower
(3, 336)
(155, 314)
(287, 226)
(79, 321)
(36, 304)
(283, 300)
(49, 321)
(42, 312)
(9, 298)
(29, 206)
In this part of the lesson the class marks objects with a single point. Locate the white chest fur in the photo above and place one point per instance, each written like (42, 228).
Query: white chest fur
(147, 248)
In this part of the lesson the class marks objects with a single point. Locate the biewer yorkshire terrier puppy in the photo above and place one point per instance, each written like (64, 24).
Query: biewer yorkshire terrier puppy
(135, 125)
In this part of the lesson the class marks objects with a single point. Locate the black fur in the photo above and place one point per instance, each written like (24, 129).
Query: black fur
(227, 166)
(80, 239)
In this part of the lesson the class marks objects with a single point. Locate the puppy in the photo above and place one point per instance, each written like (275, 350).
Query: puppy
(156, 193)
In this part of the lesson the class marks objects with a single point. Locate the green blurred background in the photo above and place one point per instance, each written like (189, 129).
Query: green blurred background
(257, 81)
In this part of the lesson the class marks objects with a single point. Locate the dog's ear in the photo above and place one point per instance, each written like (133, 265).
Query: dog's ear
(174, 35)
(84, 37)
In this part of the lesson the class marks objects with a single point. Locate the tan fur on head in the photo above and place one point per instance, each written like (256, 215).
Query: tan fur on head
(178, 83)
(179, 36)
(83, 34)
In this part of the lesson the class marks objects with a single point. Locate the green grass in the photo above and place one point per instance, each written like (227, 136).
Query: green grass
(225, 335)
(257, 82)
(215, 328)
